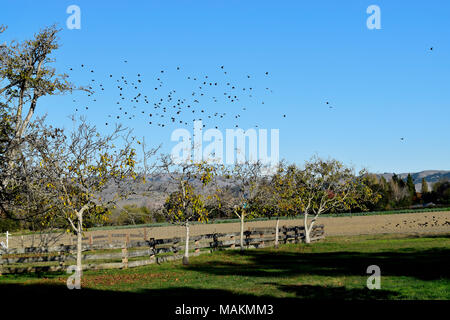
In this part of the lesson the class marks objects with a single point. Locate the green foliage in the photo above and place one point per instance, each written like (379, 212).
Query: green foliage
(410, 185)
(441, 192)
(9, 225)
(132, 215)
(27, 64)
(7, 194)
(26, 75)
(425, 188)
(189, 202)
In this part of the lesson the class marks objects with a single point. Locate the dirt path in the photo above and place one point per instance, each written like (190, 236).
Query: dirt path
(420, 222)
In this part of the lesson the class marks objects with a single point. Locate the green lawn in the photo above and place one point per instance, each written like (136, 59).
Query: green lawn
(411, 268)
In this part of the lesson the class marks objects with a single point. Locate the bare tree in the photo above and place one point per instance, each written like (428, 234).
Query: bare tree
(398, 192)
(86, 174)
(275, 195)
(243, 179)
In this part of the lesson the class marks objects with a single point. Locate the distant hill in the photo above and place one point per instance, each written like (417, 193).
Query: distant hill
(153, 193)
(431, 177)
(155, 196)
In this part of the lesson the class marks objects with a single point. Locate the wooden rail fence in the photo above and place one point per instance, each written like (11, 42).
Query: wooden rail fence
(130, 253)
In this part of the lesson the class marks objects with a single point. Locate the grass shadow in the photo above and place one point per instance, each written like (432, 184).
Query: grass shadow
(428, 264)
(337, 293)
(152, 302)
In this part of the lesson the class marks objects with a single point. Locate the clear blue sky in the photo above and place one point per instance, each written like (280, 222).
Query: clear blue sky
(383, 84)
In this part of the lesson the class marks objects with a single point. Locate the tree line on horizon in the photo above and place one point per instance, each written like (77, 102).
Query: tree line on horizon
(398, 193)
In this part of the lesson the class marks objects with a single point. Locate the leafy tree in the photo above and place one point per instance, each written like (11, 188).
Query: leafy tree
(398, 194)
(441, 191)
(401, 184)
(6, 133)
(395, 178)
(425, 188)
(378, 186)
(188, 201)
(410, 185)
(328, 186)
(26, 75)
(22, 198)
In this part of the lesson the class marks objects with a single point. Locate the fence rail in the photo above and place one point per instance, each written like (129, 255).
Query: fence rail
(21, 260)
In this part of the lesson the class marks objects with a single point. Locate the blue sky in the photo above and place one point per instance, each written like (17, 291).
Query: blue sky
(384, 85)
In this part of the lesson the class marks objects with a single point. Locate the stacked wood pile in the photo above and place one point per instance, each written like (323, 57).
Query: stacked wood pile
(130, 252)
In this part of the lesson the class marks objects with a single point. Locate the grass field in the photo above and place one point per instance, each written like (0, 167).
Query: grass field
(412, 267)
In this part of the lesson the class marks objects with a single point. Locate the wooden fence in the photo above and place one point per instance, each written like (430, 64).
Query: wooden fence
(130, 253)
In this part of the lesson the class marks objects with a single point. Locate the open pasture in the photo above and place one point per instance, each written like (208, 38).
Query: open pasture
(412, 267)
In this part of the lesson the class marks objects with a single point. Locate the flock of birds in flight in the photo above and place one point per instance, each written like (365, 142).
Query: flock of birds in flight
(170, 108)
(165, 106)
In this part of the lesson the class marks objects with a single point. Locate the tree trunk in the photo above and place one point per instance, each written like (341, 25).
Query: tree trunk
(307, 236)
(186, 249)
(277, 232)
(242, 231)
(307, 230)
(79, 269)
